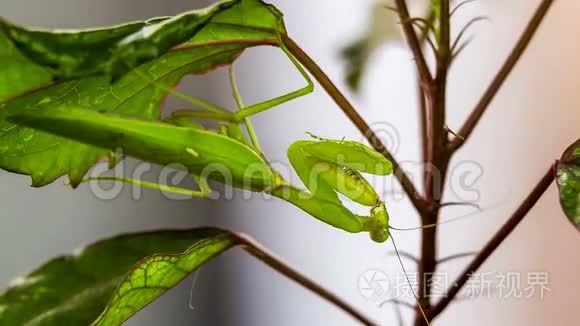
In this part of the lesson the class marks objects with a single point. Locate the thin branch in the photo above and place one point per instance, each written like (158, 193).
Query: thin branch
(501, 76)
(356, 119)
(427, 24)
(461, 4)
(414, 44)
(398, 303)
(494, 242)
(465, 29)
(445, 39)
(423, 120)
(425, 31)
(456, 256)
(460, 203)
(261, 253)
(456, 54)
(399, 315)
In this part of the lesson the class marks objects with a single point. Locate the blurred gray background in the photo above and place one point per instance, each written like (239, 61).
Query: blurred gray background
(531, 121)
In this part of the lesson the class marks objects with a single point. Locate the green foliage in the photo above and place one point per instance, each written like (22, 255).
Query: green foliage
(29, 86)
(91, 135)
(112, 278)
(73, 97)
(115, 50)
(69, 98)
(568, 179)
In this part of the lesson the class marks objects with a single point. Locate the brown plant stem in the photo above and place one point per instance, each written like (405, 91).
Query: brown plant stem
(440, 150)
(356, 119)
(496, 241)
(437, 161)
(261, 253)
(501, 76)
(421, 92)
(414, 44)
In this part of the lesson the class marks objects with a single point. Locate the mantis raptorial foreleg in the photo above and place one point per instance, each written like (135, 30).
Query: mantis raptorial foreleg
(327, 167)
(203, 192)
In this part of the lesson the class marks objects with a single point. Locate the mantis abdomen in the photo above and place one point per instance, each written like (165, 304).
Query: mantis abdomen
(160, 143)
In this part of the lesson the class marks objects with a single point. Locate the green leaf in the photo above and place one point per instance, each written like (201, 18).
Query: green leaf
(139, 93)
(568, 180)
(126, 271)
(17, 73)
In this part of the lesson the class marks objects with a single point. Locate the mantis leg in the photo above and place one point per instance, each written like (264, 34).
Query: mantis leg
(203, 192)
(202, 184)
(241, 106)
(214, 112)
(219, 116)
(266, 105)
(183, 122)
(210, 107)
(329, 212)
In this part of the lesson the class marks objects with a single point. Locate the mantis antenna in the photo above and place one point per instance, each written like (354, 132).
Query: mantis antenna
(409, 282)
(428, 226)
(451, 220)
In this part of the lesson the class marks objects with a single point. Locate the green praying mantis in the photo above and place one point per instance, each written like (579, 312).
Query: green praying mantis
(326, 167)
